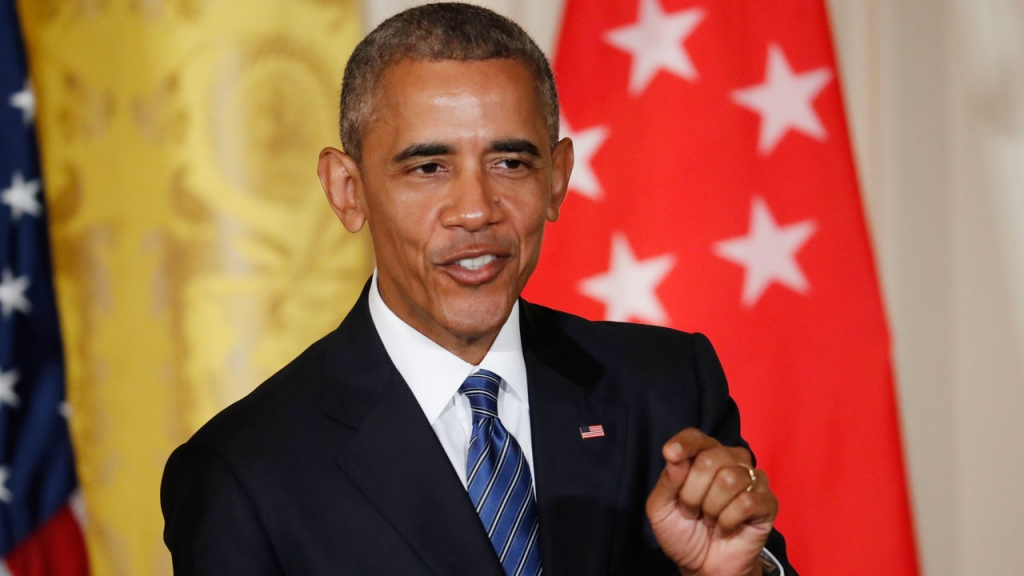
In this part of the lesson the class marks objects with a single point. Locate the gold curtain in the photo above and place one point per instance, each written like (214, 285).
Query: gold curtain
(194, 251)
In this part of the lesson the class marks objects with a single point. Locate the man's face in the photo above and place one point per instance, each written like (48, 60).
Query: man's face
(456, 182)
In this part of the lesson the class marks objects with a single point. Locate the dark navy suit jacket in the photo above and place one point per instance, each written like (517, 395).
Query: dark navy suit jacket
(330, 467)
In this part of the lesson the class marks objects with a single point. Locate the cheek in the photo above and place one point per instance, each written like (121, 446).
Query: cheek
(410, 225)
(538, 213)
(531, 230)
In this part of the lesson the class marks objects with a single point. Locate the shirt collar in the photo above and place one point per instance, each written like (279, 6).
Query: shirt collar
(434, 374)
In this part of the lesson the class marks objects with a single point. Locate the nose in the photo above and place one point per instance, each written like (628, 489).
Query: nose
(473, 203)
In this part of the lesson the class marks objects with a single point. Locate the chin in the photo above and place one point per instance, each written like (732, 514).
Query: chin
(478, 319)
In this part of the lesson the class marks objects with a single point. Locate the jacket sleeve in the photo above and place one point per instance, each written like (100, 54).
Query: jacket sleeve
(210, 524)
(719, 415)
(720, 419)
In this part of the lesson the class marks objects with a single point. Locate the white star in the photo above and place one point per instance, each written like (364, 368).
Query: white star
(12, 294)
(7, 381)
(768, 252)
(25, 100)
(627, 289)
(656, 42)
(585, 144)
(64, 409)
(21, 197)
(784, 101)
(5, 492)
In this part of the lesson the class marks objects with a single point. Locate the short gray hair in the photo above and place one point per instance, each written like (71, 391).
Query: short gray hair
(436, 32)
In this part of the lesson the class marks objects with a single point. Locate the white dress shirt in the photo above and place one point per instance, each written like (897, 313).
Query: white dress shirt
(435, 375)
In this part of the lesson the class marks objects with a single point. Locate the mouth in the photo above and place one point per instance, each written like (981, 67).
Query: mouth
(475, 267)
(476, 263)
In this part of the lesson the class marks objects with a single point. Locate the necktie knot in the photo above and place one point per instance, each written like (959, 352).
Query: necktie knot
(481, 388)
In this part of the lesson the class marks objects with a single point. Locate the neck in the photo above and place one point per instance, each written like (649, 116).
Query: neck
(469, 346)
(471, 351)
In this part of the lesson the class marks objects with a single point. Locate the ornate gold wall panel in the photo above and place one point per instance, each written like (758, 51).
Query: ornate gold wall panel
(194, 251)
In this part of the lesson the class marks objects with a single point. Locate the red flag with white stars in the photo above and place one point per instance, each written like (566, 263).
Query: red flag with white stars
(714, 191)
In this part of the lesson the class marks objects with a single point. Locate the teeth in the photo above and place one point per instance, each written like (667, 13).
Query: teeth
(476, 263)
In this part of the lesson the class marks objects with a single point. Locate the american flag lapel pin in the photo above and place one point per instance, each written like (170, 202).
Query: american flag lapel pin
(592, 431)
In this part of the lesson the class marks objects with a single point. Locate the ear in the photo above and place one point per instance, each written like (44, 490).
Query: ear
(561, 163)
(343, 185)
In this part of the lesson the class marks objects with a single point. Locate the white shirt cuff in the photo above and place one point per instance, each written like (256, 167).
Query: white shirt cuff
(771, 566)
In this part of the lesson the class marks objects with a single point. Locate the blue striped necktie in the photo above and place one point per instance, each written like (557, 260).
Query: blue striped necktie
(499, 481)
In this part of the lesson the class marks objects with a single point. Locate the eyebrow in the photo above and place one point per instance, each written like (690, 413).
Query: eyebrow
(515, 146)
(428, 149)
(509, 145)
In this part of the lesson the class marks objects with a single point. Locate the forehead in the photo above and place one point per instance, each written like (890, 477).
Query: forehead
(424, 99)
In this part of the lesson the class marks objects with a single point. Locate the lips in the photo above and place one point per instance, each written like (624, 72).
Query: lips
(476, 266)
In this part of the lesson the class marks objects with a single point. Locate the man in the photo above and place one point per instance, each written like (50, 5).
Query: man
(447, 426)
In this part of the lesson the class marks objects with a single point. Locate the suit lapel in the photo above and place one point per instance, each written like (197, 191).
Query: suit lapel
(394, 456)
(577, 479)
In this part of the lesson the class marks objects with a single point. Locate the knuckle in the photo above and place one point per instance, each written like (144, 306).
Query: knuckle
(705, 460)
(732, 479)
(747, 503)
(741, 454)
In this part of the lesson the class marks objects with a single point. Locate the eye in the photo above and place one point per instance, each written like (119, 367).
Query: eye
(428, 168)
(511, 163)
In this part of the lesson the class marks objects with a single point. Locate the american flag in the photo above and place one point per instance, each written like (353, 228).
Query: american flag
(39, 534)
(592, 431)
